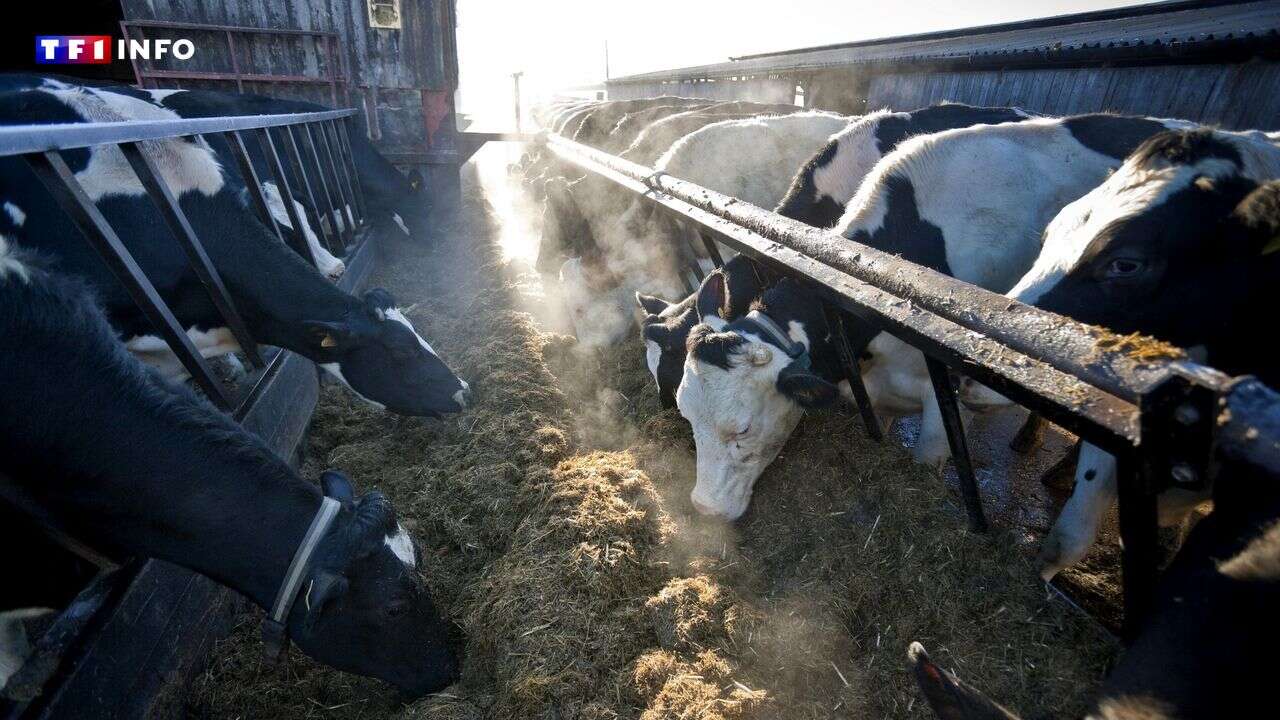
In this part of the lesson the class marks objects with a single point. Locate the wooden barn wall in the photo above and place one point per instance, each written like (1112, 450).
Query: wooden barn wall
(388, 69)
(1234, 96)
(762, 91)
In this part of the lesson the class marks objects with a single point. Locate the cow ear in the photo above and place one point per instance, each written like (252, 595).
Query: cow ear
(323, 590)
(378, 301)
(1259, 214)
(337, 485)
(415, 180)
(950, 698)
(650, 304)
(798, 382)
(711, 297)
(327, 337)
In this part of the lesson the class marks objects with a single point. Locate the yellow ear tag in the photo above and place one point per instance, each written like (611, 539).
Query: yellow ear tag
(328, 342)
(1272, 246)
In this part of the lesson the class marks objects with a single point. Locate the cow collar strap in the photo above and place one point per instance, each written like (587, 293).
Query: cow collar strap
(275, 633)
(774, 333)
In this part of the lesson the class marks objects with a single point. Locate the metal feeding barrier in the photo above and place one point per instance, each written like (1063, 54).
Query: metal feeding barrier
(310, 152)
(1161, 418)
(282, 139)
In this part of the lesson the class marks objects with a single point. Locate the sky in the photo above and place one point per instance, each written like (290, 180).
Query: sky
(560, 43)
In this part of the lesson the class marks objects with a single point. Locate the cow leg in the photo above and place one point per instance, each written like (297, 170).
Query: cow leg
(1077, 526)
(1028, 437)
(932, 447)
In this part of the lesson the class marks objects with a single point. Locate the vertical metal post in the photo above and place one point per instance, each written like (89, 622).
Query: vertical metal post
(944, 389)
(852, 371)
(348, 231)
(251, 180)
(310, 206)
(300, 244)
(351, 164)
(713, 250)
(190, 243)
(349, 180)
(1138, 532)
(61, 183)
(331, 209)
(235, 61)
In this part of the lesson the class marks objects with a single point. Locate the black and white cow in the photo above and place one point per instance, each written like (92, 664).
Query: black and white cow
(827, 182)
(1176, 244)
(367, 343)
(147, 468)
(971, 203)
(1206, 649)
(817, 196)
(752, 160)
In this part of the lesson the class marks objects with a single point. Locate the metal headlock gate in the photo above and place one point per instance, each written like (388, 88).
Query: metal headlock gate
(1170, 423)
(282, 140)
(309, 157)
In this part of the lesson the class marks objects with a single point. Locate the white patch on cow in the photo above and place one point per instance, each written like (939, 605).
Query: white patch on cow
(652, 356)
(397, 315)
(402, 545)
(336, 371)
(326, 263)
(160, 95)
(740, 422)
(1132, 190)
(155, 352)
(15, 214)
(10, 265)
(856, 153)
(185, 166)
(460, 397)
(1077, 526)
(400, 223)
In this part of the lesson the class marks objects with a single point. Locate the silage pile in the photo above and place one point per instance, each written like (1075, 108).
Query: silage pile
(555, 520)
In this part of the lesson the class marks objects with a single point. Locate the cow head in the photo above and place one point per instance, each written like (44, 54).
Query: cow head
(376, 352)
(726, 292)
(594, 301)
(365, 608)
(744, 391)
(1167, 246)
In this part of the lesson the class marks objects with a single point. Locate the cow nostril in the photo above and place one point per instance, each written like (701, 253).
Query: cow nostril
(702, 509)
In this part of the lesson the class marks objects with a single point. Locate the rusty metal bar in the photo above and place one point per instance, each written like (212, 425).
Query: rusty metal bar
(300, 244)
(194, 249)
(61, 183)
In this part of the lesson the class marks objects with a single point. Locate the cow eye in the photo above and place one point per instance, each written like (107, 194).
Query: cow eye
(1124, 267)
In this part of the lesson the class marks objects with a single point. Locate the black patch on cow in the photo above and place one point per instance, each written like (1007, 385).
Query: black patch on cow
(895, 128)
(1185, 147)
(803, 202)
(1111, 135)
(714, 348)
(904, 232)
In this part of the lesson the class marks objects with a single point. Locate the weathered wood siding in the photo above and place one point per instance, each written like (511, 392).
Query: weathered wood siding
(389, 70)
(1238, 96)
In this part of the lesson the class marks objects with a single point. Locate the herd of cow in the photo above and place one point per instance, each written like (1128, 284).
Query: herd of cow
(94, 429)
(1155, 226)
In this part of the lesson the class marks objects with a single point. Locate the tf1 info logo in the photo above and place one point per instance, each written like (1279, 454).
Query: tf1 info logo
(97, 49)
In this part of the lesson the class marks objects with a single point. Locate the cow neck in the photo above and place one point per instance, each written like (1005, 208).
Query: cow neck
(203, 493)
(277, 290)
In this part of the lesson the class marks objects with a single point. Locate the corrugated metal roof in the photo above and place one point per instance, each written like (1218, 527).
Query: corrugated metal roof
(1162, 25)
